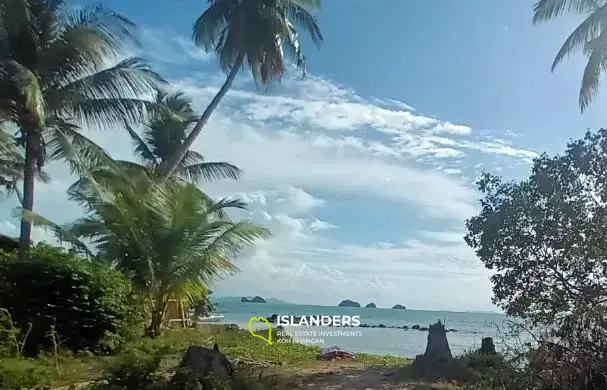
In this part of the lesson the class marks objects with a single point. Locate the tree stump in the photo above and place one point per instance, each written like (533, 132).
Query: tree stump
(487, 346)
(437, 361)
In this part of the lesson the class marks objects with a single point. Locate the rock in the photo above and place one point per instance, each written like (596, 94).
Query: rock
(487, 346)
(382, 325)
(399, 307)
(348, 303)
(371, 306)
(256, 299)
(423, 329)
(416, 327)
(405, 327)
(199, 364)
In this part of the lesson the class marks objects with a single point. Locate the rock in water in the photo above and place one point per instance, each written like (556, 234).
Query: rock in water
(487, 346)
(201, 364)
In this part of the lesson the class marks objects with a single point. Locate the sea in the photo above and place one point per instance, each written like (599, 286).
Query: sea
(470, 327)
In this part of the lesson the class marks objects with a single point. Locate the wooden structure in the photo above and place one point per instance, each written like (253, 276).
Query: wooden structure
(177, 314)
(8, 243)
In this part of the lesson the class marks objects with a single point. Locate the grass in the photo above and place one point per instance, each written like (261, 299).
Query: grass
(279, 359)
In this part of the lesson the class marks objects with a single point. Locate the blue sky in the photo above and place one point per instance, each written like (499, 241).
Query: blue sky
(364, 171)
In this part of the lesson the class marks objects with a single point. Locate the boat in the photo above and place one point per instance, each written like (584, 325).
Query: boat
(218, 317)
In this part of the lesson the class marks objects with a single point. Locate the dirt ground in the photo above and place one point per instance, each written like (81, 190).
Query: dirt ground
(352, 377)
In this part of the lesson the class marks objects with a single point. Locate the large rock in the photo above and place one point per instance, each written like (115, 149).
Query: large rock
(203, 365)
(399, 307)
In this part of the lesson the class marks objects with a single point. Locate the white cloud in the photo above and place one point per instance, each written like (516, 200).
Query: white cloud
(317, 160)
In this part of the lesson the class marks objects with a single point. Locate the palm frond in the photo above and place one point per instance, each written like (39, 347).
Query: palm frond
(597, 64)
(62, 234)
(141, 148)
(545, 10)
(131, 78)
(588, 30)
(211, 171)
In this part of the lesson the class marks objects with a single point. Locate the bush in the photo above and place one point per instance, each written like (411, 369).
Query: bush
(133, 370)
(89, 305)
(18, 373)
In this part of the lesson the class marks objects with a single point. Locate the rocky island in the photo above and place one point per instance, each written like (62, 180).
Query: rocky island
(257, 299)
(348, 303)
(371, 306)
(399, 307)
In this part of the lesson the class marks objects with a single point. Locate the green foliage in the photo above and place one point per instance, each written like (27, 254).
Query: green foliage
(133, 370)
(171, 238)
(589, 38)
(165, 132)
(89, 304)
(262, 32)
(545, 239)
(19, 373)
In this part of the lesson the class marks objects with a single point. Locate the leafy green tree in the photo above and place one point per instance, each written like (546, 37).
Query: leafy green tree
(590, 37)
(260, 32)
(170, 237)
(165, 132)
(55, 75)
(544, 239)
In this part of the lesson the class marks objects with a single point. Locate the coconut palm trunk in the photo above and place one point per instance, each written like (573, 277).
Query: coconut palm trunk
(169, 167)
(32, 150)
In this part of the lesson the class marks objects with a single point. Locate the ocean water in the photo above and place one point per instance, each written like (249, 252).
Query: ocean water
(471, 327)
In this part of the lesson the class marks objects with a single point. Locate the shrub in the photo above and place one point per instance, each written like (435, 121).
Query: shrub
(18, 373)
(133, 370)
(89, 305)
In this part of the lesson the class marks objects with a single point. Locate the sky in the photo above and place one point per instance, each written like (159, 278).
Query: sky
(365, 171)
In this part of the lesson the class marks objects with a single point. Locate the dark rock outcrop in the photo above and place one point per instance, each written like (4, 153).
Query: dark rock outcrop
(371, 306)
(256, 299)
(203, 365)
(348, 303)
(399, 307)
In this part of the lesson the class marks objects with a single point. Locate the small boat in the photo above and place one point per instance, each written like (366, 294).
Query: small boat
(335, 352)
(218, 317)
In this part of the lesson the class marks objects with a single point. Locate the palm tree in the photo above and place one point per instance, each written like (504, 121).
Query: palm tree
(12, 165)
(590, 37)
(54, 76)
(256, 31)
(165, 131)
(171, 238)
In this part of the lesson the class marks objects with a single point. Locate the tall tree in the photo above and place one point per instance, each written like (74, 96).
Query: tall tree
(165, 132)
(590, 37)
(170, 237)
(256, 31)
(56, 74)
(544, 239)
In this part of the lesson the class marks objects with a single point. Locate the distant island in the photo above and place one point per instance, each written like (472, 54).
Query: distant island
(371, 306)
(399, 307)
(238, 299)
(348, 303)
(257, 299)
